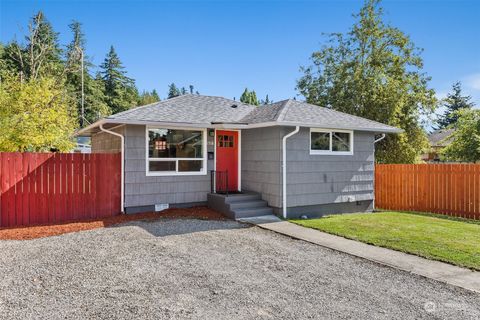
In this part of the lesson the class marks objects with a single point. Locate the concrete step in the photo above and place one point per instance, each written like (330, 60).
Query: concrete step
(252, 212)
(242, 197)
(248, 204)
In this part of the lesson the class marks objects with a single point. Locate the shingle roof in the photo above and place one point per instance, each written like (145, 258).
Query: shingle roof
(440, 138)
(195, 109)
(198, 109)
(293, 111)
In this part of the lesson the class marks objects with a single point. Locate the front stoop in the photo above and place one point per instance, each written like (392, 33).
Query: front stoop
(242, 205)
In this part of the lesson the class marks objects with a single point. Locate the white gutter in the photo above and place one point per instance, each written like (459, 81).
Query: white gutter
(284, 169)
(122, 173)
(374, 142)
(379, 139)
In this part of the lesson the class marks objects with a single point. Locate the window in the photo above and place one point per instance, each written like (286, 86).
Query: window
(176, 151)
(337, 142)
(224, 141)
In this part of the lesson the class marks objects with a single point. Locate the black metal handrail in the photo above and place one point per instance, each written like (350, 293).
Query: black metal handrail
(219, 182)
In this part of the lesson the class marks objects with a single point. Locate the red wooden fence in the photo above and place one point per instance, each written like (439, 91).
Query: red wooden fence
(39, 188)
(450, 189)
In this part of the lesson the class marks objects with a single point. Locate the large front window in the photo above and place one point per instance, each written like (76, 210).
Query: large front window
(176, 151)
(331, 142)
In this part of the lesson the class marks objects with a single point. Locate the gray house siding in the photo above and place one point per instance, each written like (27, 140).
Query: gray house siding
(142, 192)
(103, 142)
(317, 184)
(313, 180)
(261, 163)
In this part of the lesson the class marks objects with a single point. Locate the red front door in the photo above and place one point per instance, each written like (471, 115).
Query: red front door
(227, 159)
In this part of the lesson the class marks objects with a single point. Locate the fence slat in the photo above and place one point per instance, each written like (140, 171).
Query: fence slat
(38, 188)
(450, 189)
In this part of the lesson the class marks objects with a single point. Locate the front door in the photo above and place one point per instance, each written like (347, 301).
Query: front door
(227, 160)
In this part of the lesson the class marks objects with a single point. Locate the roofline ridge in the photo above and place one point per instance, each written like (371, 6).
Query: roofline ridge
(285, 108)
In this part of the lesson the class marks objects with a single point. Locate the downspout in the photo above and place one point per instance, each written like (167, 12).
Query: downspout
(122, 172)
(284, 169)
(374, 142)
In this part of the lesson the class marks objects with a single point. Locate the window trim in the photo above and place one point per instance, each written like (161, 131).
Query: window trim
(330, 151)
(175, 173)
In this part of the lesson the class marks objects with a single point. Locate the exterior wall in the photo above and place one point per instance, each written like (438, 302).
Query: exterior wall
(323, 179)
(313, 180)
(103, 142)
(146, 191)
(317, 184)
(262, 163)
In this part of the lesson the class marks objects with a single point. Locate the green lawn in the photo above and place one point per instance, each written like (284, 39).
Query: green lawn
(429, 236)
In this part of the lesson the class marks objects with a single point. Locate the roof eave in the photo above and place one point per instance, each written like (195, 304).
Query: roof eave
(316, 125)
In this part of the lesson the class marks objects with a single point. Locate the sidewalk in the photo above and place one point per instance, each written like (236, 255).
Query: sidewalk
(436, 270)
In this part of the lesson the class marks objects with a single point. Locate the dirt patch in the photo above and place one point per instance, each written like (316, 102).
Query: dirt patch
(25, 233)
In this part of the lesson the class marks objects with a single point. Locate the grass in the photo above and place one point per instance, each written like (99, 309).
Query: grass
(426, 235)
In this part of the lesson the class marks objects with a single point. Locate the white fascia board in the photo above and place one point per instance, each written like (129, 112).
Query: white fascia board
(313, 125)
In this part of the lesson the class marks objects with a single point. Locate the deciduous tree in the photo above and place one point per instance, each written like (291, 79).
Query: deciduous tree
(465, 139)
(374, 71)
(35, 115)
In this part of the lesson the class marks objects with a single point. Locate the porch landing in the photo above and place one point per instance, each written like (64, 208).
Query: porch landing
(239, 205)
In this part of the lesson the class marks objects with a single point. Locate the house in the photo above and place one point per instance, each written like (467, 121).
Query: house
(438, 140)
(290, 158)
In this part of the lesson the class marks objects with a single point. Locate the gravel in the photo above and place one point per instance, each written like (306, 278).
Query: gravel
(196, 269)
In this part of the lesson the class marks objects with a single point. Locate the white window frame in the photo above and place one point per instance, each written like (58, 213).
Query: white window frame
(176, 173)
(330, 151)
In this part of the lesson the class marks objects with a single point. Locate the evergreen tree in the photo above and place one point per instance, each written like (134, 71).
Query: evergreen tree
(253, 98)
(453, 103)
(266, 101)
(148, 97)
(249, 97)
(374, 71)
(155, 95)
(245, 97)
(120, 91)
(94, 98)
(173, 91)
(41, 55)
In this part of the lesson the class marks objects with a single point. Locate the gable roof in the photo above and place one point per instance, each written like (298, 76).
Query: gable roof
(208, 111)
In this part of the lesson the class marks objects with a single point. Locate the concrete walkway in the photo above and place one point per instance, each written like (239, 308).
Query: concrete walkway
(436, 270)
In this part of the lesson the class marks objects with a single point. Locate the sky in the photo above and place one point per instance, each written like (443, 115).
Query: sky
(222, 47)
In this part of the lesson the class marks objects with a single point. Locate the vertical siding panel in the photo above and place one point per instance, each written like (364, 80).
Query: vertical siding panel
(24, 162)
(3, 219)
(18, 181)
(93, 185)
(57, 186)
(51, 189)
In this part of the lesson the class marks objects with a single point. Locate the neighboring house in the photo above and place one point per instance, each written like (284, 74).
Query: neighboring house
(438, 140)
(83, 145)
(191, 149)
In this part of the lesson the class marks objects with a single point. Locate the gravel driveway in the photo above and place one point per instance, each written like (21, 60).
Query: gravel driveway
(195, 269)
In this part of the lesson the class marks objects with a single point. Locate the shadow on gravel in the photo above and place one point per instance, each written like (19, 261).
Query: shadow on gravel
(170, 227)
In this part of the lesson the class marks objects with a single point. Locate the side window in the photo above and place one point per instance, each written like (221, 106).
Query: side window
(338, 142)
